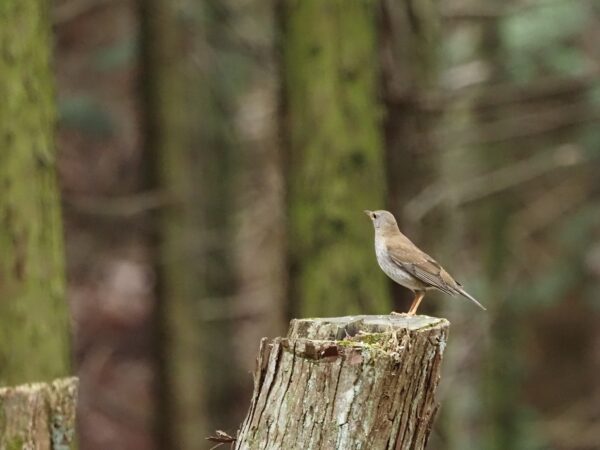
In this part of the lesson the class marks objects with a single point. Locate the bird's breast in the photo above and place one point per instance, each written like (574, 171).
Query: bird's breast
(392, 270)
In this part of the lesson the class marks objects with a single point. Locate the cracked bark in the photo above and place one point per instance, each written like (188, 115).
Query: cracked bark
(38, 416)
(355, 382)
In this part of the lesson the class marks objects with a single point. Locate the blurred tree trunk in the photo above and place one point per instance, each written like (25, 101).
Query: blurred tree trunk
(166, 143)
(409, 59)
(191, 84)
(33, 309)
(496, 415)
(335, 160)
(501, 378)
(456, 163)
(260, 306)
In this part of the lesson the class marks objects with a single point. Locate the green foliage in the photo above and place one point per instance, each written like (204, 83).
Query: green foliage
(545, 23)
(538, 40)
(17, 443)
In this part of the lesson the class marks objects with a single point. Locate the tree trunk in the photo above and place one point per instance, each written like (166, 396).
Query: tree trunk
(192, 81)
(39, 416)
(33, 309)
(335, 160)
(408, 42)
(505, 420)
(352, 382)
(165, 139)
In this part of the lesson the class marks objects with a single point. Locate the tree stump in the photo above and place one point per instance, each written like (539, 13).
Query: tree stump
(39, 416)
(356, 382)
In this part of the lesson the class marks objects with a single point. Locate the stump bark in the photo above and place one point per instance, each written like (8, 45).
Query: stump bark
(356, 382)
(39, 416)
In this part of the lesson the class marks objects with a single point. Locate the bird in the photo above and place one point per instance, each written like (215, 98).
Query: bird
(407, 265)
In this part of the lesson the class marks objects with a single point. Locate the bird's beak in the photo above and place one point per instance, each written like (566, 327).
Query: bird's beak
(367, 212)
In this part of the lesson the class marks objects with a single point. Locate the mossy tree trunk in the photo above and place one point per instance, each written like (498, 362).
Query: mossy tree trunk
(335, 160)
(34, 337)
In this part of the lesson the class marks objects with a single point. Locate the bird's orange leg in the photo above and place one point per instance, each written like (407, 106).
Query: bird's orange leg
(415, 304)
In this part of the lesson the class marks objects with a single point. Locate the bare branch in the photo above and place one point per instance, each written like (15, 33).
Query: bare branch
(522, 126)
(122, 207)
(491, 183)
(74, 9)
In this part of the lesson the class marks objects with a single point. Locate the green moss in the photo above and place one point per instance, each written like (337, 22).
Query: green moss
(2, 419)
(368, 341)
(33, 310)
(17, 443)
(336, 155)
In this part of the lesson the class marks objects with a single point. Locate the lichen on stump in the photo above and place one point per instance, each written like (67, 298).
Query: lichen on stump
(356, 382)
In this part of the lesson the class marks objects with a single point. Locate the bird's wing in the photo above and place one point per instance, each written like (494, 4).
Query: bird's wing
(423, 267)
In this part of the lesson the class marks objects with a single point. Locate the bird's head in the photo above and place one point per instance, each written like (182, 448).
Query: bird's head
(383, 221)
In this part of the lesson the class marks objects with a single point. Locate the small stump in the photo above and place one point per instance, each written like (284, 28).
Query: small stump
(356, 382)
(38, 416)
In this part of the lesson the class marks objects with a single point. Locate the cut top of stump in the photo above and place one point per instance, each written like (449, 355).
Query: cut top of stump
(340, 328)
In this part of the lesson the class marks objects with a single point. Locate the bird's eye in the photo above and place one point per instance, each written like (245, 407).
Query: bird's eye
(374, 216)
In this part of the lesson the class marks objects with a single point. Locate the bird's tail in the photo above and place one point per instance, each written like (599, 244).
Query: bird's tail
(467, 295)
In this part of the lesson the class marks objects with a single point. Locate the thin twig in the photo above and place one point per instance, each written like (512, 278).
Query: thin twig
(122, 207)
(74, 9)
(548, 208)
(522, 126)
(482, 13)
(221, 437)
(496, 94)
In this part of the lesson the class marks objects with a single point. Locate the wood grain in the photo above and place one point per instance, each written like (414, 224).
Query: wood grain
(356, 382)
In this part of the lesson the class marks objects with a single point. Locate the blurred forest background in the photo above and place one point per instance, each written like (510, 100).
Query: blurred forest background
(214, 158)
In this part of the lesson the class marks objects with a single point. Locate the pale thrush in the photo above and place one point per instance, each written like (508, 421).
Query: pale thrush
(407, 265)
